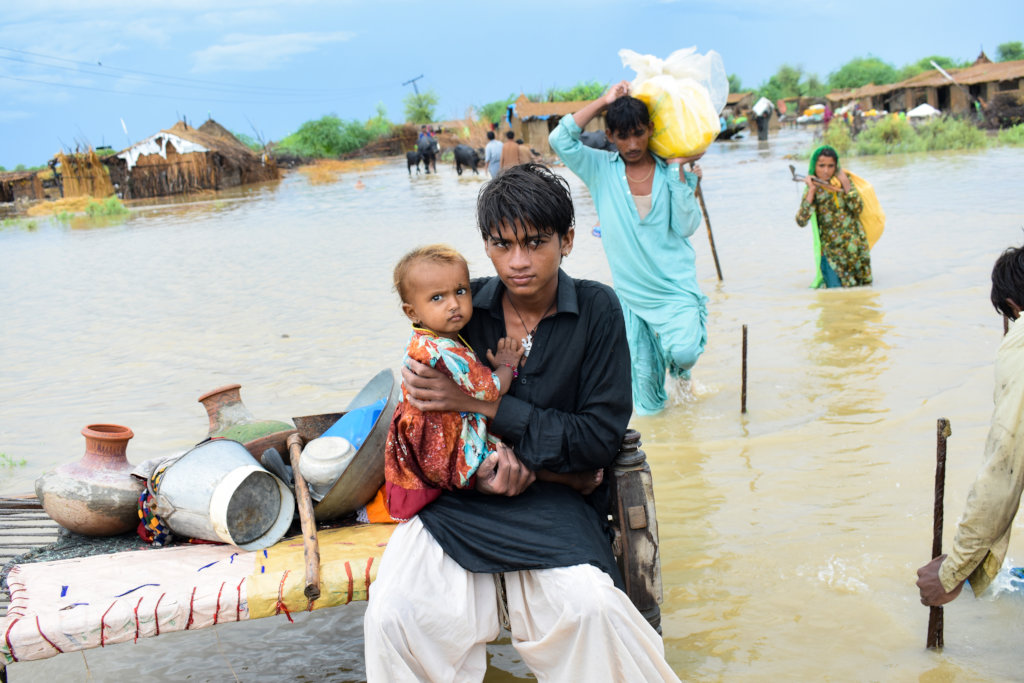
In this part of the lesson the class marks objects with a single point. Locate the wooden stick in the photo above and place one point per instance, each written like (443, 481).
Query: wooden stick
(743, 384)
(935, 622)
(310, 543)
(707, 222)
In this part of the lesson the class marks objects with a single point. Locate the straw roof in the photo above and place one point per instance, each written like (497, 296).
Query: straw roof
(735, 97)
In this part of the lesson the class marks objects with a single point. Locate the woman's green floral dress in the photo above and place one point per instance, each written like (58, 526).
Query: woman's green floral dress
(843, 242)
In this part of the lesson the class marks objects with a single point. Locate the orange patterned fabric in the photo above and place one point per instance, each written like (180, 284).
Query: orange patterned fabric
(428, 452)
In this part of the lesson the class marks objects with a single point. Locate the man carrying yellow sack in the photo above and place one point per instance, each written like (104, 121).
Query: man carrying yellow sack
(647, 210)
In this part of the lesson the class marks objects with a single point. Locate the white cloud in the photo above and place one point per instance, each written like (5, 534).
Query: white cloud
(257, 53)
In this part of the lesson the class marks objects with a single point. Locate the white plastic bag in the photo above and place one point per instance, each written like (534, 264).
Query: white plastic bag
(684, 94)
(761, 106)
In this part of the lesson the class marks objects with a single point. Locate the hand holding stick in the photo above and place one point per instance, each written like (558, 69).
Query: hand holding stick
(812, 179)
(935, 622)
(707, 221)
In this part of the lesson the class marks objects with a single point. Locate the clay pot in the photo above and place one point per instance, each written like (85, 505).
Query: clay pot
(230, 419)
(95, 496)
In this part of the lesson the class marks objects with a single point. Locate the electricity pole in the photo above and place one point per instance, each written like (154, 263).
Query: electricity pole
(413, 81)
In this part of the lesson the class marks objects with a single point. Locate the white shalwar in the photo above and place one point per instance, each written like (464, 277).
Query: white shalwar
(428, 619)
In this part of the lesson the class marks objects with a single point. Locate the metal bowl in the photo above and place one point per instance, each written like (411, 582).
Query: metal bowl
(362, 479)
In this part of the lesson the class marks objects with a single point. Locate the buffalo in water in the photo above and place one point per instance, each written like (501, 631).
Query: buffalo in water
(466, 156)
(428, 150)
(598, 140)
(412, 159)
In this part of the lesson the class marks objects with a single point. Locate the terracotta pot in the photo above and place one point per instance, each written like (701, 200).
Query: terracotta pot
(230, 419)
(95, 496)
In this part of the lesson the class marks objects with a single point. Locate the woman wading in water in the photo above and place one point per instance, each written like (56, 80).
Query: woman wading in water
(833, 206)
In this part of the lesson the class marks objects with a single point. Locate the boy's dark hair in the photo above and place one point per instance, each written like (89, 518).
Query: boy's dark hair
(525, 195)
(490, 135)
(626, 115)
(509, 134)
(1008, 280)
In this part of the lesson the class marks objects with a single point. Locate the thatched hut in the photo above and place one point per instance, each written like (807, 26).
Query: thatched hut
(183, 159)
(20, 186)
(533, 121)
(81, 174)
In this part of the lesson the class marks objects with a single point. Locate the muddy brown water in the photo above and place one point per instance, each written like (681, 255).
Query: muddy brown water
(789, 535)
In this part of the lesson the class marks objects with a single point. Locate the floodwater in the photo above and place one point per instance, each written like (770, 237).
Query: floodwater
(790, 535)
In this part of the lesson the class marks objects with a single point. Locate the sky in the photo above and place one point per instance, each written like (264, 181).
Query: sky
(78, 73)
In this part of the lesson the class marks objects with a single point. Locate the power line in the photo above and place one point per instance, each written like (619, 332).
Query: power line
(170, 80)
(325, 98)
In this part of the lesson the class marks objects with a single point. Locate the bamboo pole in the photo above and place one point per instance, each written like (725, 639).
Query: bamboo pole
(310, 544)
(707, 222)
(935, 620)
(743, 383)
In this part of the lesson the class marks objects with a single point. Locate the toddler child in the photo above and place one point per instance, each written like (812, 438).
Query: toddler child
(427, 452)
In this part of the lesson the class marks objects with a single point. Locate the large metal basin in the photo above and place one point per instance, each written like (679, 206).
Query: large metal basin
(364, 476)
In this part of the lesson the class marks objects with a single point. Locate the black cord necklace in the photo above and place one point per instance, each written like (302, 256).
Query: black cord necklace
(528, 339)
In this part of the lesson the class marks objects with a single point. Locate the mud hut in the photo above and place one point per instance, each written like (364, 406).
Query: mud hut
(20, 186)
(532, 121)
(183, 159)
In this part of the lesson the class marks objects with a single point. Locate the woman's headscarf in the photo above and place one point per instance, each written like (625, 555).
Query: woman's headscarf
(817, 153)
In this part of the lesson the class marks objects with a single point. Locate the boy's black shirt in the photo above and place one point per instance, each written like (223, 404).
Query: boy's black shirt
(566, 412)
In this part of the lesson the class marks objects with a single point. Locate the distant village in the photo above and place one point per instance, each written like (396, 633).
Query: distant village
(183, 159)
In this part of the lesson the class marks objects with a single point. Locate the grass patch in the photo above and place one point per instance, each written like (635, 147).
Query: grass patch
(892, 135)
(19, 223)
(1012, 136)
(7, 462)
(838, 137)
(111, 206)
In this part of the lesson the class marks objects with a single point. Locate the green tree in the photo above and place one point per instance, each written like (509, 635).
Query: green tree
(249, 141)
(784, 83)
(493, 112)
(419, 107)
(378, 125)
(925, 64)
(329, 136)
(584, 90)
(1009, 52)
(735, 84)
(813, 86)
(861, 71)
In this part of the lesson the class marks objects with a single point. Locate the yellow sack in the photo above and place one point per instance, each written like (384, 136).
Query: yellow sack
(684, 94)
(684, 122)
(872, 218)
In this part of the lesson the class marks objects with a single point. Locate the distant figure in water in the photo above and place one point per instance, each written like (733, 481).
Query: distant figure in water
(842, 256)
(359, 184)
(983, 533)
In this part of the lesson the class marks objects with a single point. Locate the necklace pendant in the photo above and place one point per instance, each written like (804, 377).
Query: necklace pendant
(527, 344)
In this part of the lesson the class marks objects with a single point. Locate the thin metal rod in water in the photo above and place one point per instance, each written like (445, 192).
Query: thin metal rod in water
(707, 221)
(743, 383)
(943, 431)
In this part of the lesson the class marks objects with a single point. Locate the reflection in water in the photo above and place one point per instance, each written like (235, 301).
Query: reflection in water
(849, 351)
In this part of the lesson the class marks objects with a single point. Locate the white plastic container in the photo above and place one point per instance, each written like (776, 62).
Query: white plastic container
(323, 462)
